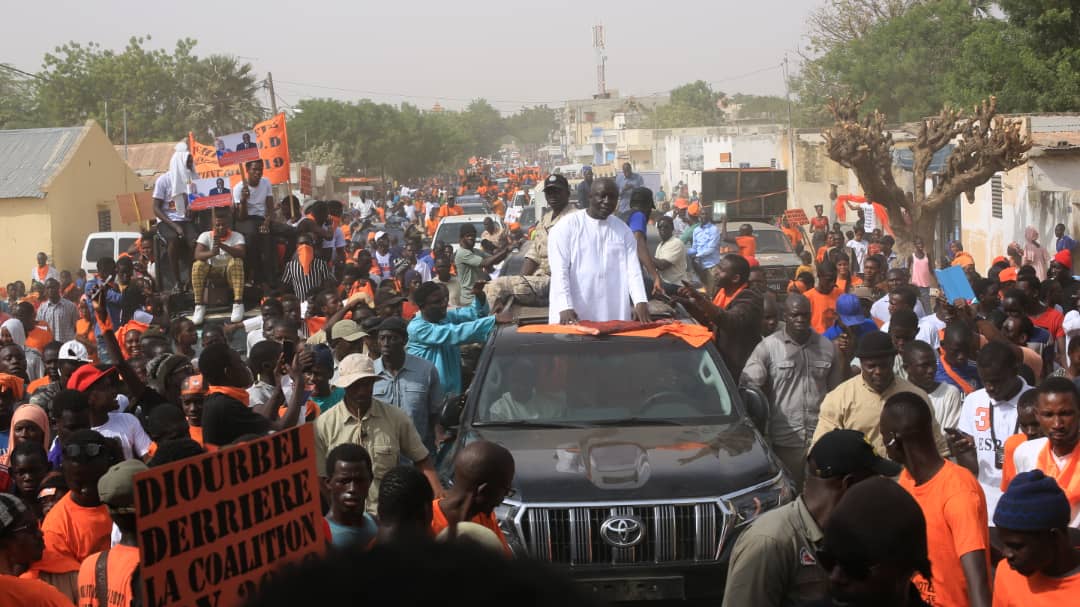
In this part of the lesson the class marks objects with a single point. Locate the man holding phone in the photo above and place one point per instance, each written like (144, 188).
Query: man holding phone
(988, 417)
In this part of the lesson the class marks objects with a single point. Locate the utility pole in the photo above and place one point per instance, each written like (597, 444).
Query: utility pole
(601, 61)
(273, 97)
(792, 178)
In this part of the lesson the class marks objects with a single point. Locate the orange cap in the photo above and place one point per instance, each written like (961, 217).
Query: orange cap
(193, 386)
(1007, 275)
(694, 209)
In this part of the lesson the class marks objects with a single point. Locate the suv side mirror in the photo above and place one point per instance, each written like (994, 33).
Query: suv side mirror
(453, 405)
(757, 405)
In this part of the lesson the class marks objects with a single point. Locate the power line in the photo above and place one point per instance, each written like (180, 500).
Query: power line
(20, 72)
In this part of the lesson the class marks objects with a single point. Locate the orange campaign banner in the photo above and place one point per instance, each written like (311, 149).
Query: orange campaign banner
(206, 161)
(212, 528)
(274, 148)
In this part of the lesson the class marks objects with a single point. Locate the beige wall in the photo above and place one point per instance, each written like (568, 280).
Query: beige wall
(58, 224)
(24, 230)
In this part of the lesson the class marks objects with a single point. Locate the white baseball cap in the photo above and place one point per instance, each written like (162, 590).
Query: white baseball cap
(75, 351)
(353, 368)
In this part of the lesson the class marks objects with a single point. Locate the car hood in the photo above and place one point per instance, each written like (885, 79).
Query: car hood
(632, 462)
(778, 259)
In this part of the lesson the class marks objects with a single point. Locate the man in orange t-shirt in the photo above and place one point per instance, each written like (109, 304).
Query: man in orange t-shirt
(117, 491)
(450, 209)
(1041, 567)
(20, 546)
(37, 335)
(79, 524)
(823, 298)
(483, 473)
(957, 527)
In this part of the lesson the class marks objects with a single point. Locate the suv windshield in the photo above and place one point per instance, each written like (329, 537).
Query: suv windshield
(450, 231)
(772, 241)
(586, 380)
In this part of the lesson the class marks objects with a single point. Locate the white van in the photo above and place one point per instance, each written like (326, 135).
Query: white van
(101, 244)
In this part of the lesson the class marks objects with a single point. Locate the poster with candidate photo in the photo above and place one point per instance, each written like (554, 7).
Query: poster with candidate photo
(236, 148)
(210, 193)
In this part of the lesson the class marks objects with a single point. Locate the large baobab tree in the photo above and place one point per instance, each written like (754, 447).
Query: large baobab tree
(985, 143)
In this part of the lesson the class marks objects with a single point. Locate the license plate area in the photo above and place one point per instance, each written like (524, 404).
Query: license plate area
(636, 589)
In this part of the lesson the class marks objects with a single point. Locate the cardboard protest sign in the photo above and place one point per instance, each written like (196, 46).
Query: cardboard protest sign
(274, 148)
(211, 193)
(212, 528)
(796, 217)
(235, 148)
(136, 208)
(206, 164)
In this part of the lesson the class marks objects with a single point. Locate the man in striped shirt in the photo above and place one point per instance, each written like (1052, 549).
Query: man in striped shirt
(306, 273)
(58, 313)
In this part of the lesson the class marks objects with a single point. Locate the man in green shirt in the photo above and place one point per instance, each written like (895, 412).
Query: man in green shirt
(473, 264)
(774, 562)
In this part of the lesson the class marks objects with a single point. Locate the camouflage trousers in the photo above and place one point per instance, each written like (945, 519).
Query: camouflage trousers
(526, 290)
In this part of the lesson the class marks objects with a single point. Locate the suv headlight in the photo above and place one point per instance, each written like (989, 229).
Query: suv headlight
(506, 515)
(747, 507)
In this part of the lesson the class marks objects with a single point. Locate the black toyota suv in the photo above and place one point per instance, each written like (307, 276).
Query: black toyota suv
(638, 461)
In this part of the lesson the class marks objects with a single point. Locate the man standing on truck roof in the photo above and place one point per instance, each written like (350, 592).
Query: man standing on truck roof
(595, 273)
(172, 212)
(774, 562)
(583, 188)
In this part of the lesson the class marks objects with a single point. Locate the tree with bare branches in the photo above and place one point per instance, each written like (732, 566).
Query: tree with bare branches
(985, 143)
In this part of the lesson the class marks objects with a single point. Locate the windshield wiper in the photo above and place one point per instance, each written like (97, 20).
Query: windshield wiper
(525, 423)
(636, 421)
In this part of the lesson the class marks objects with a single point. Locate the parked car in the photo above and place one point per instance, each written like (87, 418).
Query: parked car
(473, 204)
(638, 460)
(775, 254)
(102, 244)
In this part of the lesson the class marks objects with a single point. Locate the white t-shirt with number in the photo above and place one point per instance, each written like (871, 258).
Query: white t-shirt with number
(978, 412)
(256, 204)
(234, 239)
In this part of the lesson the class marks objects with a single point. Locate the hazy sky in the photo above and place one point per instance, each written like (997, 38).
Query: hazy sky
(510, 52)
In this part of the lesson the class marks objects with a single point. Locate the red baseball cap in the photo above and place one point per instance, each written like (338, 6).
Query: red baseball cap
(86, 376)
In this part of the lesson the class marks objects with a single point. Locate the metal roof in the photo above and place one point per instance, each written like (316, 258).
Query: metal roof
(148, 160)
(30, 157)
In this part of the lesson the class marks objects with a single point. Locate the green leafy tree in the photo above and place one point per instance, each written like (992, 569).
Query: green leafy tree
(218, 95)
(16, 100)
(693, 104)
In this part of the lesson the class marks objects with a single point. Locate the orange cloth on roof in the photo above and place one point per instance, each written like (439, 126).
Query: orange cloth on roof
(695, 335)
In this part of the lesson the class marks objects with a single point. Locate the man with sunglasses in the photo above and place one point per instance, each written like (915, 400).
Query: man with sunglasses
(79, 524)
(774, 562)
(952, 501)
(483, 474)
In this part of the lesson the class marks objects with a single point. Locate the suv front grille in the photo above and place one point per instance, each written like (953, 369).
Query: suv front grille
(682, 532)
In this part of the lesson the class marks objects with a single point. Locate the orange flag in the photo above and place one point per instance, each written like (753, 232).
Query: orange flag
(274, 148)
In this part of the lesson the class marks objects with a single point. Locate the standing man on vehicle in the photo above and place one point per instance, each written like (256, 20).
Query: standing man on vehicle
(583, 188)
(774, 562)
(595, 274)
(670, 257)
(625, 182)
(255, 208)
(795, 368)
(171, 210)
(473, 265)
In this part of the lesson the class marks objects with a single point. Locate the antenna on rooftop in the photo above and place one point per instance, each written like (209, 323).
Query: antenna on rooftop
(601, 61)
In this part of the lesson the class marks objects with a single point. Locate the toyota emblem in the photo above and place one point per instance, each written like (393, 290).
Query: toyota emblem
(622, 531)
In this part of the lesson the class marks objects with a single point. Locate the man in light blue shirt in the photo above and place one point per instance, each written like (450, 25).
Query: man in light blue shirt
(406, 381)
(436, 334)
(705, 248)
(626, 182)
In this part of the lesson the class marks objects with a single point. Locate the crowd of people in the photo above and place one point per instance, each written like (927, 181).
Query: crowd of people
(928, 440)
